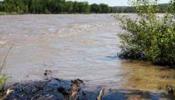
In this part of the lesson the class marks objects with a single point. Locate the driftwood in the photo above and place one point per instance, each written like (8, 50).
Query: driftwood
(101, 93)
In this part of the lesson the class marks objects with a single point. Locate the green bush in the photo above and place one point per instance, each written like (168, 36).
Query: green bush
(150, 37)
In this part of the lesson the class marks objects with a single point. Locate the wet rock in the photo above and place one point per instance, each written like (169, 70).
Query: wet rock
(56, 89)
(49, 96)
(53, 89)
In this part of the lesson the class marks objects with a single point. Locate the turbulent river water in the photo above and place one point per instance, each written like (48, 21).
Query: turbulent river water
(71, 47)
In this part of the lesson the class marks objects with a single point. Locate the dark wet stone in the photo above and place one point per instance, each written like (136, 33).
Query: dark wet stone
(55, 89)
(49, 96)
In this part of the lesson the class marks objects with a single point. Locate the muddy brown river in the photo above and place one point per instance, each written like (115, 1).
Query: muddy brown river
(71, 47)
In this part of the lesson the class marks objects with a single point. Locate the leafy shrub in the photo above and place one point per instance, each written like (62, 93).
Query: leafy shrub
(151, 36)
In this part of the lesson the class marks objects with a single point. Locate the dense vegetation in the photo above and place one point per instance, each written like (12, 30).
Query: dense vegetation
(161, 8)
(63, 6)
(123, 9)
(150, 37)
(51, 6)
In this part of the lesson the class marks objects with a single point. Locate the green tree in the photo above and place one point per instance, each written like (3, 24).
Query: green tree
(104, 8)
(95, 8)
(68, 7)
(51, 6)
(1, 7)
(83, 7)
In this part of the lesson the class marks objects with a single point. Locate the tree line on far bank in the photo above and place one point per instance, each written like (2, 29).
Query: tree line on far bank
(52, 6)
(63, 6)
(161, 8)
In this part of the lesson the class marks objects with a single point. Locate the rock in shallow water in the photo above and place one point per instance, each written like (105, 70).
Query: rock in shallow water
(53, 89)
(56, 89)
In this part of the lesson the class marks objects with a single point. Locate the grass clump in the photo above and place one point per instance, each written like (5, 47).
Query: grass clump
(151, 36)
(3, 78)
